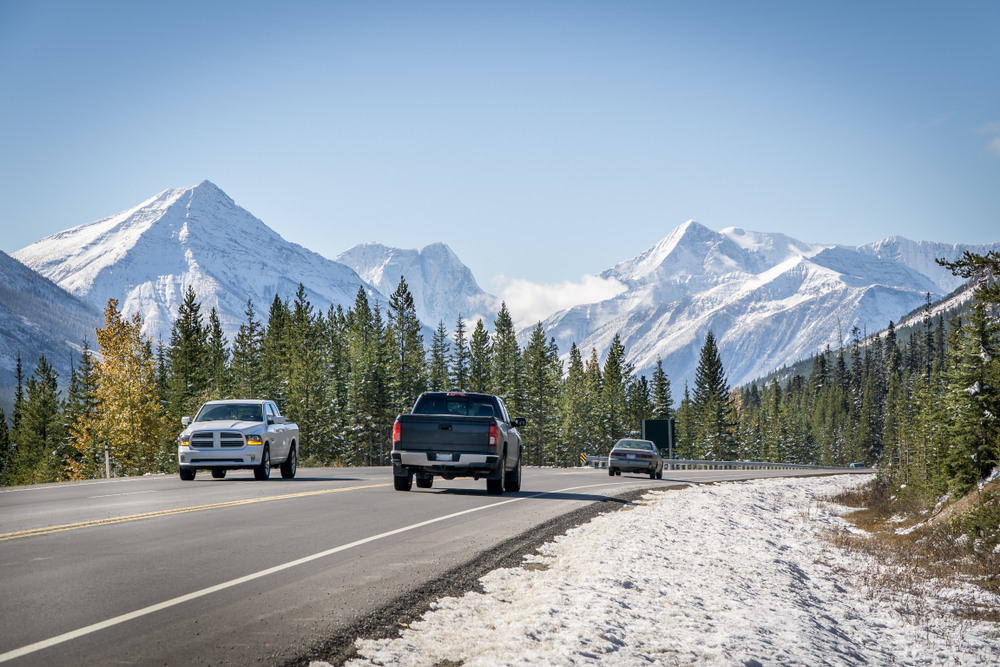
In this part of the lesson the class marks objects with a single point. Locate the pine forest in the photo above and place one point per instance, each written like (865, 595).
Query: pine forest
(923, 410)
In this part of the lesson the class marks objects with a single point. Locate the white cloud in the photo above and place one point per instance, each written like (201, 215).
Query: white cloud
(995, 145)
(989, 128)
(530, 302)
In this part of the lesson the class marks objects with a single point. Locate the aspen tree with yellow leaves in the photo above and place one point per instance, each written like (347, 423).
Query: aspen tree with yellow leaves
(128, 416)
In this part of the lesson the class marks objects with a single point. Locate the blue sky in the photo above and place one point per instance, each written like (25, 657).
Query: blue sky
(541, 141)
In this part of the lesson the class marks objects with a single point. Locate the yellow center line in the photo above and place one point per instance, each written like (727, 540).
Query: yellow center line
(179, 510)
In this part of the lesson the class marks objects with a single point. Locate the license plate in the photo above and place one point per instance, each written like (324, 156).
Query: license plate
(446, 457)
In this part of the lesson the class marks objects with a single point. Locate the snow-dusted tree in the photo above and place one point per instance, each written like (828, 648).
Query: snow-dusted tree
(459, 376)
(439, 376)
(480, 359)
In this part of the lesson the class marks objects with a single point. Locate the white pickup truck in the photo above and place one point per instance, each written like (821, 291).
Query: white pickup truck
(237, 435)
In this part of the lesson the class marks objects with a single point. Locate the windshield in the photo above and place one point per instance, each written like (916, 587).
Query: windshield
(454, 405)
(244, 412)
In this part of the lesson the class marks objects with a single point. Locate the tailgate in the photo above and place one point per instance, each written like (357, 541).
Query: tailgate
(444, 433)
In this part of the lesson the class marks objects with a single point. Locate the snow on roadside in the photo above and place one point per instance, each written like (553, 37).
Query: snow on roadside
(731, 574)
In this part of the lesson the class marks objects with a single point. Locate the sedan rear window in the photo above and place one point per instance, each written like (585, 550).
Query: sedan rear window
(245, 412)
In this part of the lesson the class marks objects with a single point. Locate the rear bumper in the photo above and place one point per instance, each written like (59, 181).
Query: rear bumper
(632, 466)
(459, 465)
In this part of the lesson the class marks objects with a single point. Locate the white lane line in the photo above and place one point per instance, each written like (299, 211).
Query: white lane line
(65, 637)
(129, 493)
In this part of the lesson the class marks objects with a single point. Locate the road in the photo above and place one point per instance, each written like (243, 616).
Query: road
(154, 570)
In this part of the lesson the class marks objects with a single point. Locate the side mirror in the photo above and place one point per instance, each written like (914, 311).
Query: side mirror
(185, 421)
(520, 421)
(279, 420)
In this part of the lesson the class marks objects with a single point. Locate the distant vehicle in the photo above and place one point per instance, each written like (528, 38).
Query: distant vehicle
(635, 456)
(857, 465)
(457, 434)
(238, 435)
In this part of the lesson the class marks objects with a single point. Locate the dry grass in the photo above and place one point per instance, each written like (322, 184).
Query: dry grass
(943, 571)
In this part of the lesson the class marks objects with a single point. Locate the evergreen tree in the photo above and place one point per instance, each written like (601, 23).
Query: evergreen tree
(713, 409)
(306, 404)
(460, 358)
(81, 400)
(685, 447)
(573, 410)
(188, 357)
(639, 401)
(540, 384)
(480, 359)
(367, 389)
(18, 393)
(5, 452)
(974, 402)
(219, 383)
(663, 403)
(337, 443)
(507, 372)
(617, 375)
(438, 372)
(593, 407)
(41, 434)
(276, 353)
(248, 346)
(407, 369)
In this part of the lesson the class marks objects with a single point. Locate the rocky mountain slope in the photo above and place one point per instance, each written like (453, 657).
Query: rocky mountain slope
(147, 256)
(770, 299)
(38, 317)
(442, 286)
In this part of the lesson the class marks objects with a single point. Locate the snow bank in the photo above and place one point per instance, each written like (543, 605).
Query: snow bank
(731, 574)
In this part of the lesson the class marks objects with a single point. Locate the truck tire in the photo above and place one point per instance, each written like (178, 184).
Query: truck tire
(512, 478)
(402, 482)
(290, 465)
(187, 474)
(263, 471)
(425, 482)
(218, 473)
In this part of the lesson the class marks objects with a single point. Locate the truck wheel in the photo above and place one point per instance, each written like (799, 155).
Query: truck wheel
(494, 487)
(512, 478)
(425, 482)
(403, 482)
(263, 471)
(290, 464)
(187, 474)
(218, 474)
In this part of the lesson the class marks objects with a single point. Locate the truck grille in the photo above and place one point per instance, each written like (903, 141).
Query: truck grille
(230, 439)
(203, 439)
(213, 439)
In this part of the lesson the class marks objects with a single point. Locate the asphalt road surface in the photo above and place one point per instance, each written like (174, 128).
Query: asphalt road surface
(156, 571)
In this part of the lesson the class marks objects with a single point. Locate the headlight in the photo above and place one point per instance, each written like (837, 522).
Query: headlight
(253, 439)
(183, 440)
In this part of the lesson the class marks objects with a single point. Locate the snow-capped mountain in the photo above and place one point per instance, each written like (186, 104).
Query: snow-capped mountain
(920, 255)
(38, 317)
(442, 286)
(770, 299)
(147, 256)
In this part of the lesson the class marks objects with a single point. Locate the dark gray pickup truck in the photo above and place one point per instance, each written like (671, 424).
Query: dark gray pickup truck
(457, 434)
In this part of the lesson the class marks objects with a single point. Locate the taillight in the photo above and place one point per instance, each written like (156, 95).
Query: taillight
(397, 432)
(494, 435)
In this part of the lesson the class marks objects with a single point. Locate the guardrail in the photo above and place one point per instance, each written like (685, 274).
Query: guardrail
(690, 464)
